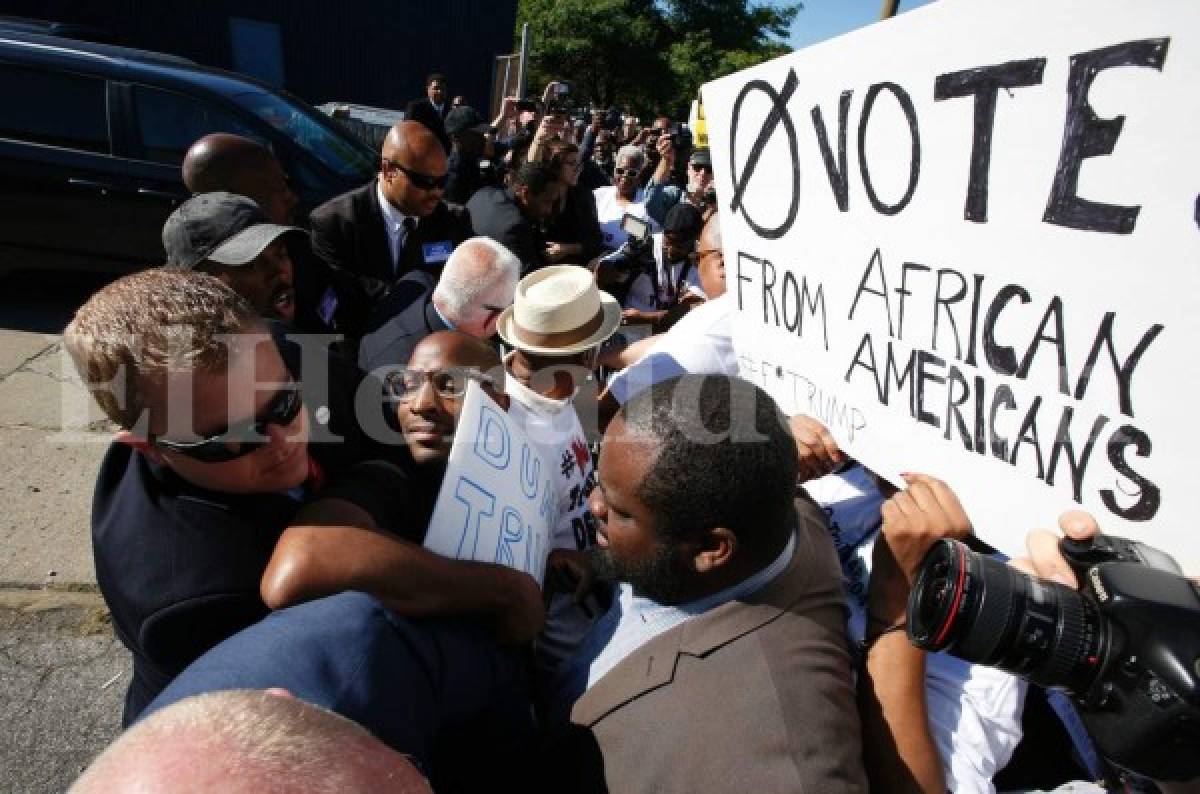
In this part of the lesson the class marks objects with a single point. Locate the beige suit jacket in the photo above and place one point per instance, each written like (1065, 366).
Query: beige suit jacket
(753, 697)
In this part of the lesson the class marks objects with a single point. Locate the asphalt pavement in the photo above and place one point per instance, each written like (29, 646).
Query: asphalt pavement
(62, 672)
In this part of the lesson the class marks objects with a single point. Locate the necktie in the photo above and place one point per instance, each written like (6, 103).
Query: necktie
(410, 225)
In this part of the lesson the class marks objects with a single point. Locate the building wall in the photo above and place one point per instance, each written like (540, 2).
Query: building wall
(372, 52)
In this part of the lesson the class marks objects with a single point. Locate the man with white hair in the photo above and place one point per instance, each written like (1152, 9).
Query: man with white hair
(249, 741)
(476, 285)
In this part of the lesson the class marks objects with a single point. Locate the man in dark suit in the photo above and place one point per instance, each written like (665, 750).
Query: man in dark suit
(514, 216)
(432, 109)
(476, 286)
(398, 222)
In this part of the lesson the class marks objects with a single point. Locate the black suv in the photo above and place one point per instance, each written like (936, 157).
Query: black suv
(92, 136)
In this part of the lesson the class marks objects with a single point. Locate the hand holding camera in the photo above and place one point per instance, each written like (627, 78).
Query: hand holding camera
(1126, 645)
(913, 520)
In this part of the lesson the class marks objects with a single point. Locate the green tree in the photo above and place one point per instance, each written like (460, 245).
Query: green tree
(607, 49)
(650, 54)
(708, 39)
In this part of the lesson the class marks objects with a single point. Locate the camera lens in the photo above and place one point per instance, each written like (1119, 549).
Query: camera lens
(984, 611)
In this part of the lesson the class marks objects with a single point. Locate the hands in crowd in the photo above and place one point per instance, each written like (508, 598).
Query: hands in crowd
(913, 520)
(666, 149)
(819, 453)
(522, 614)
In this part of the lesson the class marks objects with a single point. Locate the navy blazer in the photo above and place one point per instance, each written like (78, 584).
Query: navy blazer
(495, 214)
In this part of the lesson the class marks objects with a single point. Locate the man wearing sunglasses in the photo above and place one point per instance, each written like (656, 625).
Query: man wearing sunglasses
(662, 195)
(211, 461)
(398, 223)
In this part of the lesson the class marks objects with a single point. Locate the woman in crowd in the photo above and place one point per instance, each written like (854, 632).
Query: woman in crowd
(624, 197)
(574, 232)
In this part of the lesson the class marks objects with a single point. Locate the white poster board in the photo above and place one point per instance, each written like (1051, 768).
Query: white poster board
(967, 240)
(497, 502)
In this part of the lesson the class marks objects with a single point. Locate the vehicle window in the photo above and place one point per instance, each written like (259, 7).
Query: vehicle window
(54, 108)
(168, 123)
(335, 150)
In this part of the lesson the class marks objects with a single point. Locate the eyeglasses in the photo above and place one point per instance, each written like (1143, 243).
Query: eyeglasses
(244, 437)
(422, 181)
(623, 171)
(450, 383)
(700, 167)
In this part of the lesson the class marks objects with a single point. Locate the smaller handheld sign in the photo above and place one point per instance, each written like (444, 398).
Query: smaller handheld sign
(493, 504)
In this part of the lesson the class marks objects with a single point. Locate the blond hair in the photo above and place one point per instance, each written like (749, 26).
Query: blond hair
(136, 330)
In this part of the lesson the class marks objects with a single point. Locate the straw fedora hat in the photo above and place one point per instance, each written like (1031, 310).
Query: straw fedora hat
(559, 311)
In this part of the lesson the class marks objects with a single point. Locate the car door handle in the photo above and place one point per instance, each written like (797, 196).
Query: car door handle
(160, 194)
(103, 187)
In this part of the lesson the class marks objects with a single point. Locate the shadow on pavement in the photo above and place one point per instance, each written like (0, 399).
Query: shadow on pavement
(44, 302)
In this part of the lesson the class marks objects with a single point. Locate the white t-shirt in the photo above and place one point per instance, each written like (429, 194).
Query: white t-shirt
(553, 426)
(701, 343)
(609, 213)
(974, 711)
(671, 287)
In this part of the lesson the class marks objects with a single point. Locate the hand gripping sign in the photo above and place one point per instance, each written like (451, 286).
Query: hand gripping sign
(497, 502)
(968, 241)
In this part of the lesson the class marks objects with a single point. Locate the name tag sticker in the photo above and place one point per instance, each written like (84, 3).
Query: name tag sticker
(437, 252)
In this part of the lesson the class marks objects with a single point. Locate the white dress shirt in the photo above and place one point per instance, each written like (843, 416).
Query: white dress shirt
(393, 222)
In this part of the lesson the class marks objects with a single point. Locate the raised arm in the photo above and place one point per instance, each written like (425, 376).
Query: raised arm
(899, 748)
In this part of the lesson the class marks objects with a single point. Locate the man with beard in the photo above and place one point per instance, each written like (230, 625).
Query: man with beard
(230, 237)
(724, 576)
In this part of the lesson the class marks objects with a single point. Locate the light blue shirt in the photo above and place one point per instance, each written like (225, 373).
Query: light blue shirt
(634, 620)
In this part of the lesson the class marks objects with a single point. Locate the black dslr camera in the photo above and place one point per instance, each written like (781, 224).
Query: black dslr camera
(1126, 646)
(634, 256)
(616, 271)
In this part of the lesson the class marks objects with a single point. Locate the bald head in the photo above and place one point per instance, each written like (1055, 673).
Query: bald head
(233, 164)
(411, 146)
(445, 349)
(248, 741)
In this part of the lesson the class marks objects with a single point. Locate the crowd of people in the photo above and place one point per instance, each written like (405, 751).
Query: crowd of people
(724, 600)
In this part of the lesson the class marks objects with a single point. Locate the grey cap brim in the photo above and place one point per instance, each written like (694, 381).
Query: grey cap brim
(245, 246)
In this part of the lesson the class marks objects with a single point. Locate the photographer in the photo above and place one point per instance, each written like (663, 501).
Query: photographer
(661, 195)
(674, 280)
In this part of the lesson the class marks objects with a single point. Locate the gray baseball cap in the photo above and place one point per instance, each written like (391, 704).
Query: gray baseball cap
(220, 227)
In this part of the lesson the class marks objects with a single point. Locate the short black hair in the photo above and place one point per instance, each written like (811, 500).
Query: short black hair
(435, 76)
(684, 220)
(726, 458)
(535, 176)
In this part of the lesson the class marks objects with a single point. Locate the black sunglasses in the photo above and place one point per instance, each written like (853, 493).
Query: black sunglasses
(244, 437)
(623, 171)
(423, 181)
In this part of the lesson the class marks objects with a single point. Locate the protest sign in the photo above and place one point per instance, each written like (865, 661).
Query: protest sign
(967, 240)
(497, 502)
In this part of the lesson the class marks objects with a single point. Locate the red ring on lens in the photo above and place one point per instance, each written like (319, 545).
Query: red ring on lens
(962, 575)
